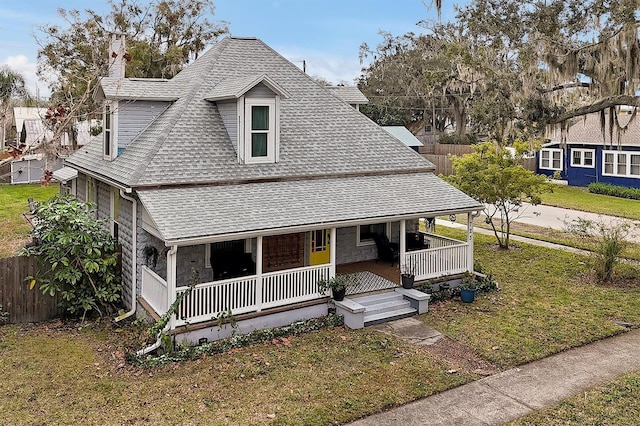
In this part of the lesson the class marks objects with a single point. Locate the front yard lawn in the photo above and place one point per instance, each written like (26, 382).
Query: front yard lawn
(547, 303)
(13, 199)
(577, 198)
(70, 374)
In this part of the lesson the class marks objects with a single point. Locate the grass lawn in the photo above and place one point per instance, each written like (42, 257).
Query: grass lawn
(13, 199)
(546, 304)
(70, 376)
(615, 403)
(577, 198)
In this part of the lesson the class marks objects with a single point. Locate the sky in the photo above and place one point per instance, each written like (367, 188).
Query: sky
(326, 34)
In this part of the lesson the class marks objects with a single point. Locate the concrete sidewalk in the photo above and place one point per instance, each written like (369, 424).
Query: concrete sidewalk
(516, 392)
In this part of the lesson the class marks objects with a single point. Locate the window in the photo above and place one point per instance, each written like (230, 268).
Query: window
(107, 131)
(110, 131)
(582, 158)
(621, 163)
(260, 130)
(551, 159)
(365, 233)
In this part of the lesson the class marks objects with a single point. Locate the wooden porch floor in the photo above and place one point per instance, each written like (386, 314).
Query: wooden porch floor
(381, 268)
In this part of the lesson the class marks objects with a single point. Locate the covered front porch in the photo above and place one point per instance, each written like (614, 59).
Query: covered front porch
(260, 292)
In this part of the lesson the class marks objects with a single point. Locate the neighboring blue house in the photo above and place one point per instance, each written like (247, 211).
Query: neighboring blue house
(591, 155)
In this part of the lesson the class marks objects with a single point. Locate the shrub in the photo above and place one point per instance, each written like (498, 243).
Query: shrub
(81, 254)
(614, 190)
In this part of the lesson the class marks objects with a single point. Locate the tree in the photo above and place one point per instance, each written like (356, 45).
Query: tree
(81, 254)
(495, 177)
(509, 68)
(12, 86)
(162, 37)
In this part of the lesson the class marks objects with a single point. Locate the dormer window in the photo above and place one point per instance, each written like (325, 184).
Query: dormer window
(109, 131)
(250, 109)
(260, 133)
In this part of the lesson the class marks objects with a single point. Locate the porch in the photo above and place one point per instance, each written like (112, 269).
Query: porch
(263, 291)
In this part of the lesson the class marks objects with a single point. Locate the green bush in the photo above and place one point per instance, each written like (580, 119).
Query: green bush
(614, 190)
(81, 254)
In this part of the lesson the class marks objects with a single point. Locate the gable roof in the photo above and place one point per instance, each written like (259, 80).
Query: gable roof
(188, 143)
(587, 130)
(233, 88)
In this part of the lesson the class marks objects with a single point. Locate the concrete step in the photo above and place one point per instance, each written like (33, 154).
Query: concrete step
(374, 299)
(387, 306)
(388, 316)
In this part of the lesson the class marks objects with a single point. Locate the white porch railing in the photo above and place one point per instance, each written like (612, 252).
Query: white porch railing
(154, 290)
(445, 256)
(292, 286)
(245, 294)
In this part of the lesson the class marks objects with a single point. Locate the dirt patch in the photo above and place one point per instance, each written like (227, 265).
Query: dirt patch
(460, 358)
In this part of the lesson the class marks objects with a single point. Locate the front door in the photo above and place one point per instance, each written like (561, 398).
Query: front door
(319, 253)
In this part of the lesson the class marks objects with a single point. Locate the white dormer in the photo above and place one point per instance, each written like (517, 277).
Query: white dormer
(250, 109)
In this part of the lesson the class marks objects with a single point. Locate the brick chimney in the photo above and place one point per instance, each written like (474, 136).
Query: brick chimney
(117, 52)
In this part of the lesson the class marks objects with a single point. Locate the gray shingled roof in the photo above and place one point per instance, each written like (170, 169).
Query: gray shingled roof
(201, 211)
(320, 135)
(587, 130)
(233, 88)
(349, 94)
(139, 89)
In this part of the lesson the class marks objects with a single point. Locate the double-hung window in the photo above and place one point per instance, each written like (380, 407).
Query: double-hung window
(260, 130)
(621, 163)
(551, 159)
(109, 131)
(583, 158)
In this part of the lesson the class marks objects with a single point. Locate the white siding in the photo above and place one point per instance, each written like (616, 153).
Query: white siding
(228, 111)
(260, 91)
(134, 117)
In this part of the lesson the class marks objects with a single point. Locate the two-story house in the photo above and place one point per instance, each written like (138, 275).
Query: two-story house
(246, 170)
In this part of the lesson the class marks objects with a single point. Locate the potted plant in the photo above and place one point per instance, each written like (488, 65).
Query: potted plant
(468, 287)
(408, 274)
(337, 284)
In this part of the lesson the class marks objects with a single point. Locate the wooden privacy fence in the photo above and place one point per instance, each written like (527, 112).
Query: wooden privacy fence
(444, 167)
(22, 304)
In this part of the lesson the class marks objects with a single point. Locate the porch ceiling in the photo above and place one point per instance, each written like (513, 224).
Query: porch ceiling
(201, 212)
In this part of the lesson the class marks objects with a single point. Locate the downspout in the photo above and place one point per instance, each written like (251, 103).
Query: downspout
(171, 288)
(134, 257)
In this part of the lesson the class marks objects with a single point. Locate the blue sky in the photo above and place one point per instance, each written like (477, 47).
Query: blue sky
(327, 34)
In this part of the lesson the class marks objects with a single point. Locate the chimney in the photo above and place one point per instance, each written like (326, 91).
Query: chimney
(117, 53)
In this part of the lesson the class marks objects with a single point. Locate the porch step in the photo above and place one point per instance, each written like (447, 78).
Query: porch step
(383, 307)
(374, 299)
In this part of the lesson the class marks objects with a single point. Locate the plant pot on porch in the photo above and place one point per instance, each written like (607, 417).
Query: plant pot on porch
(339, 294)
(407, 281)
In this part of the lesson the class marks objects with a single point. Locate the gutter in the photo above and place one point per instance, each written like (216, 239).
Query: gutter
(134, 260)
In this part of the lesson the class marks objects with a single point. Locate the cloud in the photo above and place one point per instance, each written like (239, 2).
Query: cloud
(27, 69)
(334, 68)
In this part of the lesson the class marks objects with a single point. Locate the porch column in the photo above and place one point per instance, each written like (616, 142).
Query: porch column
(171, 282)
(332, 252)
(470, 241)
(259, 274)
(403, 243)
